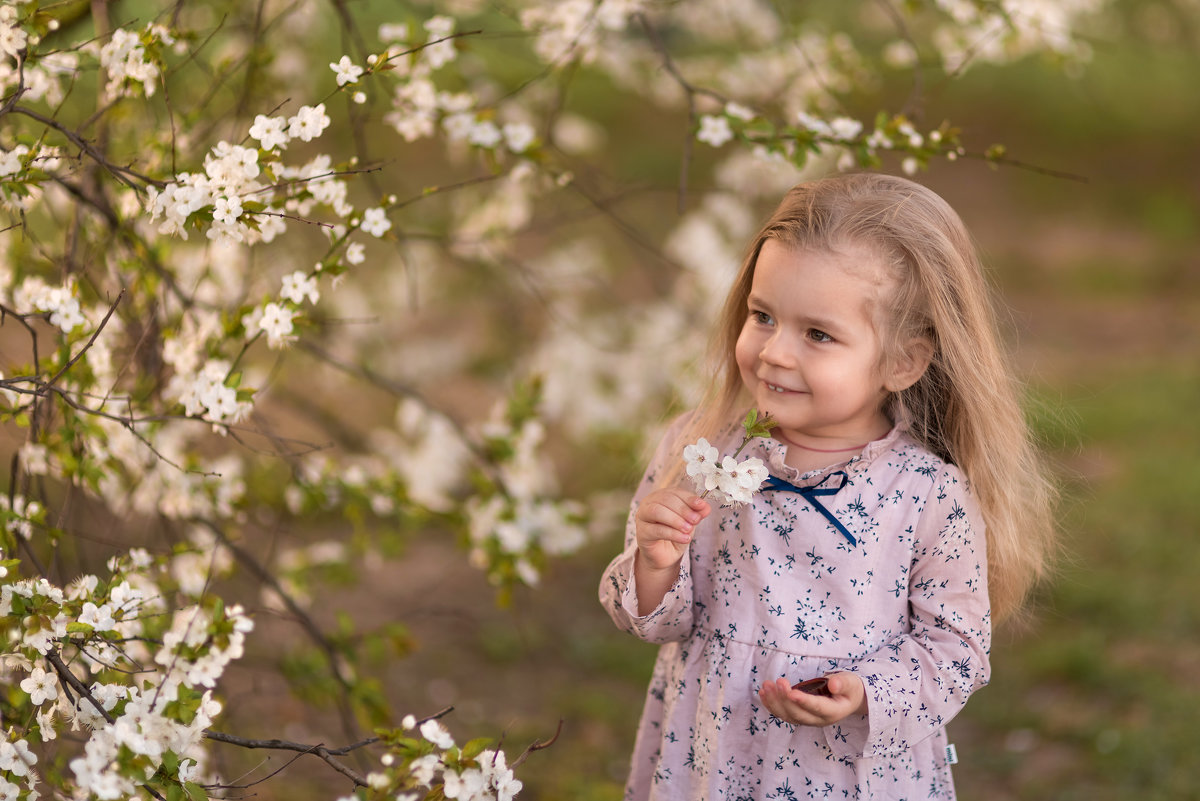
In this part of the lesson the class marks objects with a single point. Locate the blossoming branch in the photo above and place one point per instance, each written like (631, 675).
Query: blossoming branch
(729, 482)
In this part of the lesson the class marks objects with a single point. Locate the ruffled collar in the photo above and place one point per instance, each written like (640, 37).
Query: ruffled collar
(773, 452)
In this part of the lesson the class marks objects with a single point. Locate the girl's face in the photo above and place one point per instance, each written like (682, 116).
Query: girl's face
(809, 353)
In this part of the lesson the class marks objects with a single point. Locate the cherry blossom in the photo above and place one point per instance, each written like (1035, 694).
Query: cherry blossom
(41, 686)
(346, 71)
(308, 123)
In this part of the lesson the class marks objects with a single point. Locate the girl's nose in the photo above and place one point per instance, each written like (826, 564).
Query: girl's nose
(776, 351)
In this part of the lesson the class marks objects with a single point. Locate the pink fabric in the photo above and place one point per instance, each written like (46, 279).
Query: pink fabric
(772, 589)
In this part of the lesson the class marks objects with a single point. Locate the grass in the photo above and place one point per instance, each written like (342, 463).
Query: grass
(1095, 697)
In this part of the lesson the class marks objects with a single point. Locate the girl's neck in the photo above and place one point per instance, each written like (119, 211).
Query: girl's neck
(846, 450)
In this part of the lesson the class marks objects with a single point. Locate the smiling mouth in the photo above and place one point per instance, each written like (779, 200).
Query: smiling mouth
(775, 388)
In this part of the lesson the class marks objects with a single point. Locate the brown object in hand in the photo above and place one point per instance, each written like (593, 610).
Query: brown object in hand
(817, 686)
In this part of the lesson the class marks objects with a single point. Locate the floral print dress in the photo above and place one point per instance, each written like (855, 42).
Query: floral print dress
(774, 589)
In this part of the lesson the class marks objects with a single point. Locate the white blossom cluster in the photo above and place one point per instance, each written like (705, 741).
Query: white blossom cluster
(522, 521)
(418, 106)
(575, 29)
(42, 77)
(128, 59)
(59, 302)
(1010, 29)
(727, 481)
(436, 762)
(113, 629)
(20, 515)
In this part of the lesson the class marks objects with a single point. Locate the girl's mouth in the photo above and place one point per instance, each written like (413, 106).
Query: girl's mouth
(775, 388)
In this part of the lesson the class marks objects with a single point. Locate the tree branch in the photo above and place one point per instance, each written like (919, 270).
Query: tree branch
(326, 754)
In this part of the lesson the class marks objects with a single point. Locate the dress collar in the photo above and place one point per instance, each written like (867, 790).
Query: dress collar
(773, 452)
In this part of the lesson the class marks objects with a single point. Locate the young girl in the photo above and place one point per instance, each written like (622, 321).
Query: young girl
(908, 510)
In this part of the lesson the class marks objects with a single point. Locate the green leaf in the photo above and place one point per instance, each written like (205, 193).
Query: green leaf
(195, 792)
(475, 747)
(756, 425)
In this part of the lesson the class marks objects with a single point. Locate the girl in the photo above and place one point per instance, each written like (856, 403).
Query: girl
(908, 510)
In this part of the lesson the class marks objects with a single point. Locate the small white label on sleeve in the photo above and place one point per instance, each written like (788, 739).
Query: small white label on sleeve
(951, 755)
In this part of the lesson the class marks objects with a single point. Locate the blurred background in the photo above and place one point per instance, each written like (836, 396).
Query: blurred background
(1090, 230)
(1096, 696)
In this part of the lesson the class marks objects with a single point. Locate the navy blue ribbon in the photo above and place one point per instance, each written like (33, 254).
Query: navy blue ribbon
(812, 493)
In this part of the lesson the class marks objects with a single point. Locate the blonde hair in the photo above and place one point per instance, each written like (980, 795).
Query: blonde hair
(965, 408)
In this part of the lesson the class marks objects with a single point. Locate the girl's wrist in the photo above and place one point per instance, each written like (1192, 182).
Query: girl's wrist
(643, 563)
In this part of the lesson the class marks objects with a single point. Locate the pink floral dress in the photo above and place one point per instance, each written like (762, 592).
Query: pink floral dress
(896, 592)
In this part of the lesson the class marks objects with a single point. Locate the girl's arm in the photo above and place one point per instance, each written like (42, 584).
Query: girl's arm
(663, 526)
(647, 589)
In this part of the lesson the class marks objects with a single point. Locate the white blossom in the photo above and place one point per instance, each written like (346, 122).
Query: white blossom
(276, 323)
(701, 459)
(845, 128)
(485, 134)
(375, 222)
(714, 130)
(308, 123)
(439, 50)
(436, 733)
(728, 482)
(298, 287)
(11, 160)
(740, 480)
(41, 686)
(518, 136)
(16, 758)
(271, 132)
(346, 71)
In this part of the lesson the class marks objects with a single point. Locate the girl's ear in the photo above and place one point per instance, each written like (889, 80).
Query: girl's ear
(910, 365)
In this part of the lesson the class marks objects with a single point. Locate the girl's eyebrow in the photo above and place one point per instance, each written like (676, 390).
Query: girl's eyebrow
(754, 300)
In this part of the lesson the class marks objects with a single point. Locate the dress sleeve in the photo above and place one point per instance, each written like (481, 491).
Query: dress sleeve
(920, 680)
(672, 620)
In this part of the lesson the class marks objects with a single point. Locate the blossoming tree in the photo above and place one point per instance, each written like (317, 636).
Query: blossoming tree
(253, 278)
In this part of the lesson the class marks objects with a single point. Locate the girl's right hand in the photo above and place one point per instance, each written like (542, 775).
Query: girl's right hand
(664, 523)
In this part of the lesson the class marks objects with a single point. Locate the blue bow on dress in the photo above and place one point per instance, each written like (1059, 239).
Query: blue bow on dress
(811, 494)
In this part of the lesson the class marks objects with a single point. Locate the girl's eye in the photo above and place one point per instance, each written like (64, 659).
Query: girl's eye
(761, 317)
(817, 335)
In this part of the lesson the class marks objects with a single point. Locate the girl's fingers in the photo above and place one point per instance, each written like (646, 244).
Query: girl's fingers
(793, 706)
(663, 532)
(673, 511)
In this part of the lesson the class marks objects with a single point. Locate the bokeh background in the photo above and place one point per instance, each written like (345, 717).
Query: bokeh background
(1097, 695)
(1092, 237)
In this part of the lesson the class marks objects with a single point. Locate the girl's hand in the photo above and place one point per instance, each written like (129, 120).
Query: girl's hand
(847, 697)
(663, 525)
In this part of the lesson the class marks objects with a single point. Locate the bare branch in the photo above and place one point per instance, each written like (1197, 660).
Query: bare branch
(538, 745)
(78, 686)
(318, 750)
(122, 174)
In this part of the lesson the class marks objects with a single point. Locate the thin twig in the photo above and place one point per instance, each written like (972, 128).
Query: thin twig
(691, 92)
(538, 745)
(118, 172)
(91, 340)
(318, 750)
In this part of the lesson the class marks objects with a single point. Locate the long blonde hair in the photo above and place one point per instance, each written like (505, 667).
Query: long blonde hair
(965, 408)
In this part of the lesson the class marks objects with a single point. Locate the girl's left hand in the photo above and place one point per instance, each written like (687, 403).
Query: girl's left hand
(847, 697)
